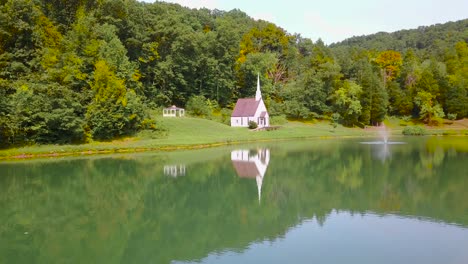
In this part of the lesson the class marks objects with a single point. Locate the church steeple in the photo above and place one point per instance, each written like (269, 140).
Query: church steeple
(258, 94)
(259, 180)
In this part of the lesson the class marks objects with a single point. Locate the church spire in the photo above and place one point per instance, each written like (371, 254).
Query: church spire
(259, 180)
(258, 94)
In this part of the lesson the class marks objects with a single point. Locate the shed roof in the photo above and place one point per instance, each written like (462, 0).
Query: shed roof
(174, 107)
(245, 107)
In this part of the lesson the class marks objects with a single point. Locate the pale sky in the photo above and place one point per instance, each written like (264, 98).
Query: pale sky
(336, 20)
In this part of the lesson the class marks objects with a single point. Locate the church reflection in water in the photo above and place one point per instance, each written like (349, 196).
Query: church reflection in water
(251, 164)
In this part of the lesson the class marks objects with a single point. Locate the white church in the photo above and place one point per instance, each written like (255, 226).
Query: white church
(250, 109)
(251, 165)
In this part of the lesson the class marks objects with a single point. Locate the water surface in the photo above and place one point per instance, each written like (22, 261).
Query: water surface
(318, 201)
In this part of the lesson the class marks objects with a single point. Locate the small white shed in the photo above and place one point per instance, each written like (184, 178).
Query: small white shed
(173, 111)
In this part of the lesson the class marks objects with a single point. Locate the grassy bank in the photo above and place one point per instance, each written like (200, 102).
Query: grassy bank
(192, 133)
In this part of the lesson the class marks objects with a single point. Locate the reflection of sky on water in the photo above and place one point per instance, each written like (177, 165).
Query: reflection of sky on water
(348, 238)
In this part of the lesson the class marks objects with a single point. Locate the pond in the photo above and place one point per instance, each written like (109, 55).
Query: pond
(315, 201)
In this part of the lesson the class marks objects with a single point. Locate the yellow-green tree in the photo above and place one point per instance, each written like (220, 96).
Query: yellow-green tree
(268, 39)
(264, 38)
(346, 102)
(106, 85)
(390, 62)
(429, 111)
(113, 111)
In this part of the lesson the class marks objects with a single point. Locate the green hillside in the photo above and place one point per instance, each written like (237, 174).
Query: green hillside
(432, 39)
(75, 72)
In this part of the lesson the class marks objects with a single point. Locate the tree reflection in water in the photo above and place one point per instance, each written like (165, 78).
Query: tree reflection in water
(124, 209)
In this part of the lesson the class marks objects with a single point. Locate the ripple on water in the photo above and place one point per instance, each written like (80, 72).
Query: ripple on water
(383, 142)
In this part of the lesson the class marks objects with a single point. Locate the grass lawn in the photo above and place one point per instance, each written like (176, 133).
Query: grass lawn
(188, 133)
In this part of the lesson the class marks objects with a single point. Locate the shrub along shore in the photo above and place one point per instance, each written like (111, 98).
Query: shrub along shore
(194, 133)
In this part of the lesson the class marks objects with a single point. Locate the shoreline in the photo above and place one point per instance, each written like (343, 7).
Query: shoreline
(209, 135)
(167, 148)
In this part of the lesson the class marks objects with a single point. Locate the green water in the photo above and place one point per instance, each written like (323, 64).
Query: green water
(322, 201)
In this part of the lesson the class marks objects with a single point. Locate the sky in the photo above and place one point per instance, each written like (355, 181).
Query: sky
(336, 20)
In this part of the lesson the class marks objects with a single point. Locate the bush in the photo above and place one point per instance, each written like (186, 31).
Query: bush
(107, 119)
(278, 120)
(335, 119)
(451, 116)
(252, 125)
(436, 121)
(414, 131)
(449, 133)
(406, 118)
(199, 106)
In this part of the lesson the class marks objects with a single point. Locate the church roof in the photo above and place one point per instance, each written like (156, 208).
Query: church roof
(245, 169)
(245, 107)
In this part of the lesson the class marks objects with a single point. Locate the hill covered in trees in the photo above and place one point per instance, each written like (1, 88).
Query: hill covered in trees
(81, 70)
(426, 40)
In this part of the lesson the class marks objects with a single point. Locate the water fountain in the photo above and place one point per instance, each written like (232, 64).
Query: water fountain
(382, 148)
(383, 134)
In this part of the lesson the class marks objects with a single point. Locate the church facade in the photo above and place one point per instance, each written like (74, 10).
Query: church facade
(250, 109)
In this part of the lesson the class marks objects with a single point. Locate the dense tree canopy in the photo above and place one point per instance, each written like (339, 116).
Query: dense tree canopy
(74, 71)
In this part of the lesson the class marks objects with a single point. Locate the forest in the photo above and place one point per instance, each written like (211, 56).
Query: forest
(73, 71)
